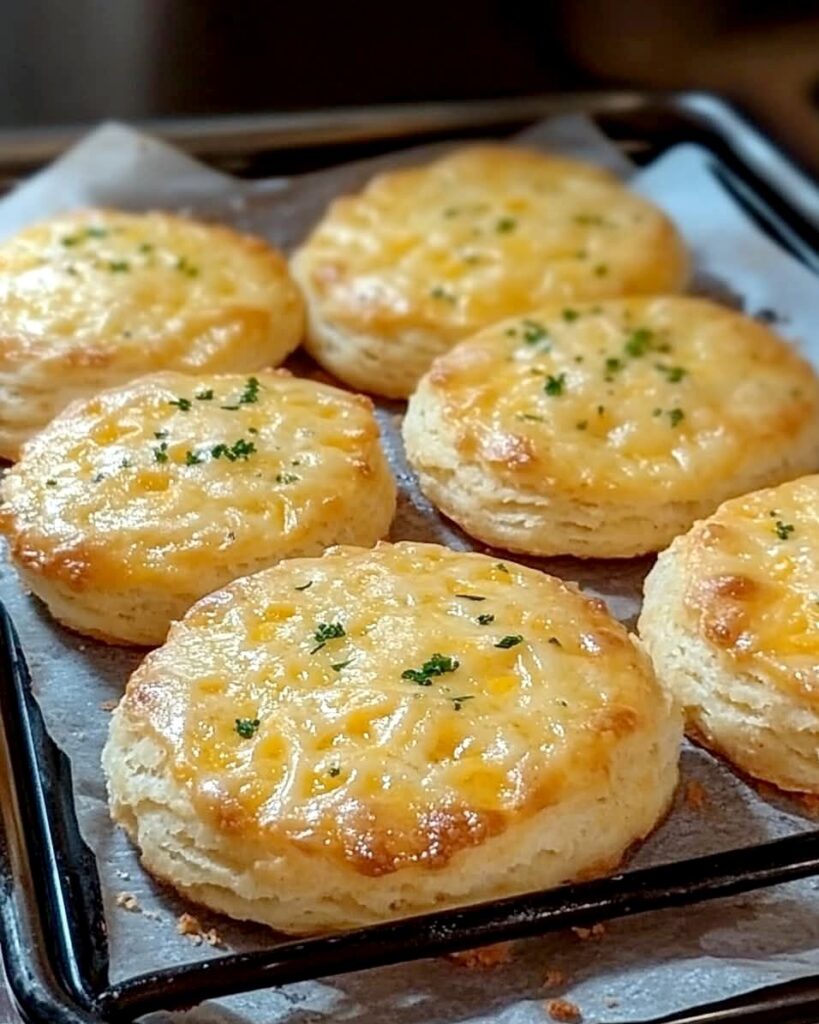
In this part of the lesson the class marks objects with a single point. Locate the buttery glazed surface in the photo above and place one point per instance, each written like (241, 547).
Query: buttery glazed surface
(753, 585)
(176, 481)
(656, 399)
(340, 752)
(480, 235)
(103, 286)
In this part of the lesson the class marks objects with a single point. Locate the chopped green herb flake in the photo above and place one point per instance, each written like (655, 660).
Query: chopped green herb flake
(501, 566)
(119, 266)
(613, 365)
(97, 478)
(304, 586)
(204, 396)
(441, 293)
(601, 270)
(251, 392)
(555, 385)
(183, 404)
(326, 631)
(784, 530)
(69, 241)
(240, 449)
(51, 483)
(675, 416)
(193, 458)
(600, 410)
(530, 416)
(253, 430)
(333, 771)
(674, 374)
(570, 315)
(638, 343)
(146, 247)
(340, 665)
(159, 434)
(657, 412)
(589, 219)
(184, 266)
(471, 597)
(533, 332)
(437, 665)
(509, 641)
(582, 424)
(505, 224)
(246, 727)
(286, 478)
(485, 619)
(161, 453)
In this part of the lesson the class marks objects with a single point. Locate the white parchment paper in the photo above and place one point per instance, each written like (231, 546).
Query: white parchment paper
(641, 967)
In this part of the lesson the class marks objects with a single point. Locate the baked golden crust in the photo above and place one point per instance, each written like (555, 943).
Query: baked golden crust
(131, 505)
(607, 429)
(426, 256)
(97, 297)
(386, 712)
(731, 619)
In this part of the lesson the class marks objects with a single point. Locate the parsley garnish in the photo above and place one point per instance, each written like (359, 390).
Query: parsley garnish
(509, 641)
(159, 434)
(501, 566)
(286, 478)
(340, 665)
(161, 453)
(675, 416)
(326, 631)
(471, 597)
(204, 396)
(51, 483)
(304, 586)
(530, 416)
(674, 374)
(240, 449)
(146, 247)
(601, 270)
(505, 224)
(638, 343)
(246, 727)
(437, 665)
(613, 365)
(183, 404)
(333, 771)
(533, 332)
(555, 642)
(582, 424)
(589, 218)
(555, 385)
(441, 293)
(458, 702)
(251, 392)
(193, 458)
(485, 619)
(784, 530)
(119, 266)
(184, 266)
(569, 315)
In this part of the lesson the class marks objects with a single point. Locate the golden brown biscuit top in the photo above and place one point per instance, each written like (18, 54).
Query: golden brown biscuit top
(624, 401)
(98, 283)
(753, 584)
(149, 479)
(391, 706)
(481, 235)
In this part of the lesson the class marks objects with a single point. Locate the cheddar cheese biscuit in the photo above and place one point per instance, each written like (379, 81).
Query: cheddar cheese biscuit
(131, 505)
(426, 256)
(731, 620)
(92, 299)
(371, 734)
(604, 430)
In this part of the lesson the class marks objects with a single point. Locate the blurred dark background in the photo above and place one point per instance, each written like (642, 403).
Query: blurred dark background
(64, 63)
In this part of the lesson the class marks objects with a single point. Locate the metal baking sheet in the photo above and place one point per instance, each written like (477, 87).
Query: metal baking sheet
(636, 968)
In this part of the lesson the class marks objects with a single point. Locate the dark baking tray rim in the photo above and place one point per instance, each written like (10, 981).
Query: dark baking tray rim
(52, 925)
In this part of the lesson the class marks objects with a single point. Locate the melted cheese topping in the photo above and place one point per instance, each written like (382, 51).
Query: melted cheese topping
(669, 396)
(481, 235)
(144, 481)
(754, 584)
(145, 290)
(391, 706)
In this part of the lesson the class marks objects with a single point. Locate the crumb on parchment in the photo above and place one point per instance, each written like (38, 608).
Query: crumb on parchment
(128, 901)
(695, 796)
(486, 956)
(597, 931)
(191, 927)
(564, 1011)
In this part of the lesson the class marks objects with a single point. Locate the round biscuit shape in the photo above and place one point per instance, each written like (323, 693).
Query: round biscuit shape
(731, 621)
(133, 504)
(371, 734)
(605, 430)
